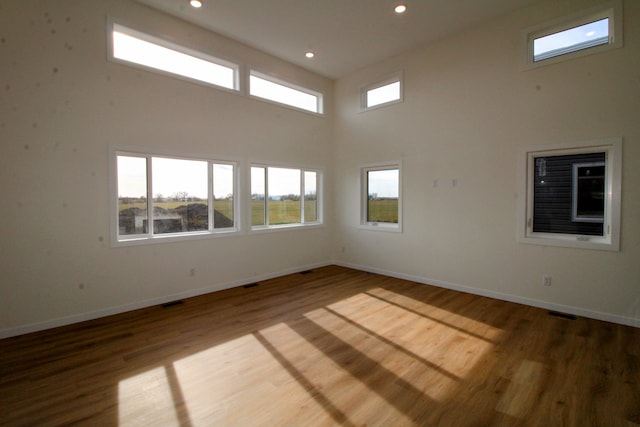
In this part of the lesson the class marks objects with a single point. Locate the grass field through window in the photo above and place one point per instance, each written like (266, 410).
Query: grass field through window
(280, 211)
(382, 210)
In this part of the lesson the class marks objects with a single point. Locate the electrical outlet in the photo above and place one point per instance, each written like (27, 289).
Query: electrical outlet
(546, 280)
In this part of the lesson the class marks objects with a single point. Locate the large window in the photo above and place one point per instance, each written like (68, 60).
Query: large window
(584, 33)
(573, 195)
(144, 50)
(381, 197)
(160, 196)
(284, 196)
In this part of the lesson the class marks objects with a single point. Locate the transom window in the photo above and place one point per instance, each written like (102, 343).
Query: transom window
(276, 90)
(573, 196)
(584, 33)
(382, 93)
(160, 196)
(155, 54)
(572, 40)
(284, 196)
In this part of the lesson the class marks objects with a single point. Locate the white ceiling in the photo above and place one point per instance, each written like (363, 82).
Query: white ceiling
(345, 34)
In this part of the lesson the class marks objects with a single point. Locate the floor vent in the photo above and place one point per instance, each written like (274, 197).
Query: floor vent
(172, 304)
(250, 285)
(306, 272)
(562, 315)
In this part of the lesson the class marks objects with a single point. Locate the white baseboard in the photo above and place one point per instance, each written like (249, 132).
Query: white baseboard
(576, 311)
(77, 318)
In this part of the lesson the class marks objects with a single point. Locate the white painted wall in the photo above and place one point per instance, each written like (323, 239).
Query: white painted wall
(62, 104)
(468, 109)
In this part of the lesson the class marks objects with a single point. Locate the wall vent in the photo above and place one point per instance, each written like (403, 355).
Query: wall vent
(562, 315)
(172, 303)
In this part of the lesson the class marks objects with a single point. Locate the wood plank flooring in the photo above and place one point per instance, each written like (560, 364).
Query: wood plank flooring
(332, 347)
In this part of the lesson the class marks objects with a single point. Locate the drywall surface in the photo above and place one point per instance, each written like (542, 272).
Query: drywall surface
(468, 111)
(64, 106)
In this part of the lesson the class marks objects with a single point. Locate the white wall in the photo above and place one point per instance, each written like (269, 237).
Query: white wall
(63, 104)
(468, 109)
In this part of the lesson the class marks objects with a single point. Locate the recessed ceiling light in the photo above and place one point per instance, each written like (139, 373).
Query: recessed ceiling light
(401, 8)
(195, 3)
(309, 54)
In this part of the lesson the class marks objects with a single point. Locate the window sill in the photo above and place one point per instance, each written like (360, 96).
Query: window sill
(284, 227)
(174, 237)
(572, 241)
(381, 226)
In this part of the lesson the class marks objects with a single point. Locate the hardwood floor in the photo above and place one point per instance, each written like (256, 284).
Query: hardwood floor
(331, 347)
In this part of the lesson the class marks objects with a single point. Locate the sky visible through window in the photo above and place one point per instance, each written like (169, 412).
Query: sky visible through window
(595, 32)
(133, 49)
(383, 183)
(286, 95)
(282, 181)
(383, 94)
(172, 176)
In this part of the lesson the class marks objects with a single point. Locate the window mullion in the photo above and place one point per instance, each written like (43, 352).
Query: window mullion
(302, 195)
(149, 197)
(210, 196)
(266, 196)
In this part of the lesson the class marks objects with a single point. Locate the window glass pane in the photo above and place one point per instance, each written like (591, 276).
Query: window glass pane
(280, 93)
(132, 194)
(588, 192)
(223, 196)
(383, 94)
(310, 197)
(284, 196)
(554, 195)
(382, 195)
(180, 195)
(136, 50)
(257, 196)
(571, 40)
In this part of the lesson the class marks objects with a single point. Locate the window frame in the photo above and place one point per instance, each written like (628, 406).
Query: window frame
(319, 110)
(113, 26)
(611, 10)
(396, 77)
(364, 197)
(610, 240)
(266, 227)
(149, 237)
(575, 180)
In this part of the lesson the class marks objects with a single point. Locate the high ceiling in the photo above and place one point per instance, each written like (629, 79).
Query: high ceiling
(344, 34)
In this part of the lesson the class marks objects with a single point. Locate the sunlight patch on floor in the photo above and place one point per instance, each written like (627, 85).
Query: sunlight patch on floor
(523, 390)
(146, 398)
(242, 374)
(334, 387)
(464, 324)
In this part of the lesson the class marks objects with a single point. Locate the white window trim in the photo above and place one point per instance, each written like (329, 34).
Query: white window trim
(144, 239)
(611, 9)
(319, 96)
(610, 241)
(574, 193)
(397, 76)
(379, 226)
(111, 24)
(266, 228)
